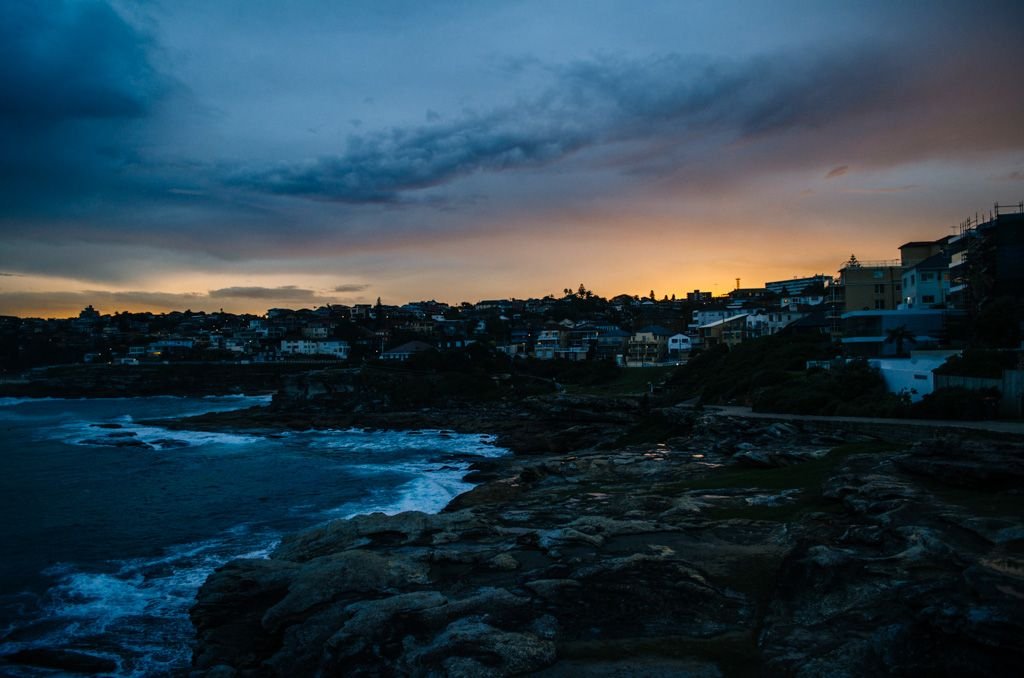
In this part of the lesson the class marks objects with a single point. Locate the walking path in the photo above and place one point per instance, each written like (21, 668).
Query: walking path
(1012, 427)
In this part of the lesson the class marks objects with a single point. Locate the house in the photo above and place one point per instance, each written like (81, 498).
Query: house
(741, 294)
(647, 346)
(522, 335)
(333, 347)
(679, 344)
(705, 316)
(874, 334)
(926, 283)
(815, 323)
(796, 286)
(698, 297)
(298, 346)
(168, 346)
(767, 323)
(337, 348)
(236, 344)
(316, 331)
(406, 351)
(728, 331)
(548, 340)
(913, 253)
(912, 376)
(870, 285)
(518, 350)
(610, 343)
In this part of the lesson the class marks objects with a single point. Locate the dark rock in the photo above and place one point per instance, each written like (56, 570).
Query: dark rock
(652, 560)
(63, 660)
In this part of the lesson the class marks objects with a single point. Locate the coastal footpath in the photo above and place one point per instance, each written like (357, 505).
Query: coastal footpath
(626, 538)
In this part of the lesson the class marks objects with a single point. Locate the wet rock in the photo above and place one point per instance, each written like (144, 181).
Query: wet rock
(229, 611)
(325, 579)
(616, 555)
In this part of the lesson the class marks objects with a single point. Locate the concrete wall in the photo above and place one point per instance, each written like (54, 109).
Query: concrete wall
(909, 375)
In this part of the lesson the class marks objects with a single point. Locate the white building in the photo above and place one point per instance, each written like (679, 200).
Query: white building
(912, 376)
(336, 348)
(926, 285)
(679, 343)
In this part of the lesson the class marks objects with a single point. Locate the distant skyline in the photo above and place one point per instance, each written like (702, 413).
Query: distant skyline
(243, 155)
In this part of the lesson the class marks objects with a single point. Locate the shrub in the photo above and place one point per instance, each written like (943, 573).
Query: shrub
(957, 402)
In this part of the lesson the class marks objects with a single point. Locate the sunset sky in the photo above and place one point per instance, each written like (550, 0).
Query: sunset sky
(247, 154)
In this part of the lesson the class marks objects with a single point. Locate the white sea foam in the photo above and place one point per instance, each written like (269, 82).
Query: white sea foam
(88, 433)
(432, 484)
(359, 440)
(138, 605)
(138, 608)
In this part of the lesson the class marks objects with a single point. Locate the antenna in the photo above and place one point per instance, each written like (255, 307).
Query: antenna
(737, 283)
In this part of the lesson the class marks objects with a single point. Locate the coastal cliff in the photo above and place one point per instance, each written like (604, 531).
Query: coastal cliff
(730, 548)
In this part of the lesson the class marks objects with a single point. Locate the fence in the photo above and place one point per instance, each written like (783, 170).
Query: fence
(1011, 386)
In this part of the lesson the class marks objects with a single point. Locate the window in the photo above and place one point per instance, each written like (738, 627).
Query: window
(927, 277)
(879, 289)
(879, 303)
(912, 279)
(928, 298)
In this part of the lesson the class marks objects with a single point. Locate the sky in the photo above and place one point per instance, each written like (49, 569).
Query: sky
(247, 154)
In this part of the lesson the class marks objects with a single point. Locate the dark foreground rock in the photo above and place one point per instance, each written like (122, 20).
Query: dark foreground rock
(63, 660)
(738, 549)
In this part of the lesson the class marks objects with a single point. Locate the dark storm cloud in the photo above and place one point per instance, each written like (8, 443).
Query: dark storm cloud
(351, 287)
(379, 167)
(837, 171)
(665, 100)
(86, 112)
(70, 60)
(75, 81)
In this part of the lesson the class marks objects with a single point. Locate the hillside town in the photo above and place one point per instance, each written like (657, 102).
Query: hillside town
(906, 316)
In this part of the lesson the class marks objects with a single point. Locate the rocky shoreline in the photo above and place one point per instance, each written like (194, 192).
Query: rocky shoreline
(623, 539)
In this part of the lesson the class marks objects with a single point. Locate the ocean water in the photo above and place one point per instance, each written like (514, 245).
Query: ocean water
(108, 526)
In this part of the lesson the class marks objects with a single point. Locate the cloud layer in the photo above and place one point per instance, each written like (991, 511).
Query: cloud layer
(219, 136)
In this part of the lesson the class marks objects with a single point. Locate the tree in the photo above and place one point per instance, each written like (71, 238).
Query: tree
(899, 335)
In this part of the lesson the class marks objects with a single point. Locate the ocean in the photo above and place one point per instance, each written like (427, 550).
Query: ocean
(109, 526)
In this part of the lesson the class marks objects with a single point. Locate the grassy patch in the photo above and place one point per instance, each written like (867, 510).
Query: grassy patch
(720, 375)
(627, 381)
(653, 428)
